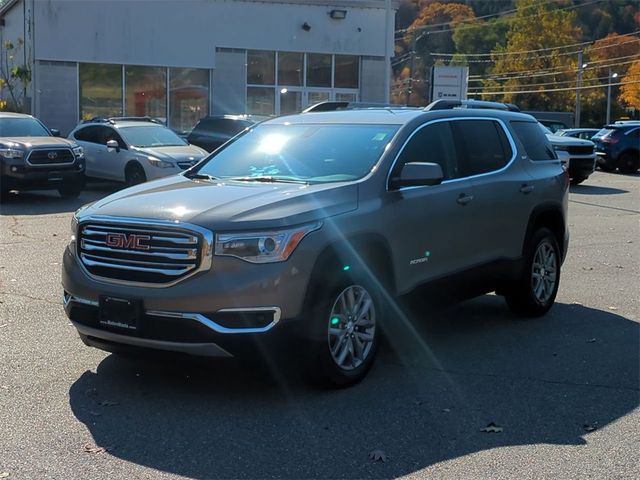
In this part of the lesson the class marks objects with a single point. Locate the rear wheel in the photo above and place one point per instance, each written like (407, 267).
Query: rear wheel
(628, 163)
(534, 293)
(346, 334)
(134, 175)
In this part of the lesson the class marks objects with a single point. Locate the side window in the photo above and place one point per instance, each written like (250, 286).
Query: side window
(534, 141)
(483, 146)
(108, 133)
(87, 134)
(433, 143)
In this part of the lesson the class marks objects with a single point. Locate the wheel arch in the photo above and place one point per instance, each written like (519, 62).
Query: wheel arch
(550, 216)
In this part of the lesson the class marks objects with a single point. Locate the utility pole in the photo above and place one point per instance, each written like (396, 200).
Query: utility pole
(414, 41)
(611, 75)
(578, 88)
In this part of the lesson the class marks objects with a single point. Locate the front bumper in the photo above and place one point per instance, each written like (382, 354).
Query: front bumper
(17, 175)
(581, 166)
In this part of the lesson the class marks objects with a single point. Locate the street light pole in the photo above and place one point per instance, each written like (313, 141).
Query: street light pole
(611, 75)
(578, 87)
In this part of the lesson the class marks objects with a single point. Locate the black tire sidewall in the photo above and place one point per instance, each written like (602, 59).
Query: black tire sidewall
(134, 175)
(628, 163)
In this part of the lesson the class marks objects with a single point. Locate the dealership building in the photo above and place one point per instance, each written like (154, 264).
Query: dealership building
(179, 60)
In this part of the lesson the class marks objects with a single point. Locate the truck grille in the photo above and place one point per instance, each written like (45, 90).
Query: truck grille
(581, 150)
(51, 156)
(150, 254)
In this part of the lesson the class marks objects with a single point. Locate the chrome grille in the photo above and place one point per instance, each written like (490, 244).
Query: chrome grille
(137, 253)
(51, 156)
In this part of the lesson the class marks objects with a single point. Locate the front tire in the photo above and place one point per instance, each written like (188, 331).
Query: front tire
(345, 334)
(577, 180)
(535, 292)
(134, 175)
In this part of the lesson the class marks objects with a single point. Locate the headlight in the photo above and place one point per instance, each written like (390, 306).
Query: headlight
(156, 162)
(560, 148)
(11, 153)
(78, 151)
(263, 247)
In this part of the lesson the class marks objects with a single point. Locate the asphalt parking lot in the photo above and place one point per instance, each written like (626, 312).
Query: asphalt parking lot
(563, 389)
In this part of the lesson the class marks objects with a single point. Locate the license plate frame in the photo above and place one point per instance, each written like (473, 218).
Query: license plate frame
(123, 314)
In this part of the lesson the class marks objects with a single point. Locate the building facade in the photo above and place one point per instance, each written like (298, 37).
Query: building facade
(179, 60)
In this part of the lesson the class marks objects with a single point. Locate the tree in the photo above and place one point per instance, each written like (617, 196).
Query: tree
(479, 38)
(536, 25)
(630, 93)
(14, 77)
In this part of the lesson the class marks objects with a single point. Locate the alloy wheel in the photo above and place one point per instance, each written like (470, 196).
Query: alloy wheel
(544, 272)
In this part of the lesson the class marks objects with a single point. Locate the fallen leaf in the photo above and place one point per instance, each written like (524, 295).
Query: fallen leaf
(619, 266)
(378, 456)
(492, 428)
(109, 403)
(591, 340)
(54, 234)
(94, 449)
(613, 308)
(576, 303)
(4, 474)
(587, 268)
(590, 427)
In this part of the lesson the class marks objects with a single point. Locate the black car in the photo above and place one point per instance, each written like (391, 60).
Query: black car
(618, 146)
(32, 158)
(212, 132)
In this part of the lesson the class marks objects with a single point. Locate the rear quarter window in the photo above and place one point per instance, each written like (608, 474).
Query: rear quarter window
(483, 146)
(535, 142)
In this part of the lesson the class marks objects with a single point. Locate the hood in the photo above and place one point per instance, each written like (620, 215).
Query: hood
(29, 142)
(180, 153)
(229, 205)
(569, 141)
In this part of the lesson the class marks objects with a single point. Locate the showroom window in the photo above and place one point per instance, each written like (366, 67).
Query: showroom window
(188, 97)
(145, 92)
(280, 83)
(100, 90)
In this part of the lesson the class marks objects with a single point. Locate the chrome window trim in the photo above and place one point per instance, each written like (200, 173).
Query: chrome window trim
(38, 165)
(206, 249)
(512, 144)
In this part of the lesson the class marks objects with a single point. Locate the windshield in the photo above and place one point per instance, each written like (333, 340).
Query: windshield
(310, 153)
(603, 132)
(22, 127)
(151, 136)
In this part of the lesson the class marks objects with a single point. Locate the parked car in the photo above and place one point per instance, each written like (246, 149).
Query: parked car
(554, 121)
(133, 150)
(618, 146)
(310, 225)
(583, 133)
(211, 132)
(578, 155)
(32, 158)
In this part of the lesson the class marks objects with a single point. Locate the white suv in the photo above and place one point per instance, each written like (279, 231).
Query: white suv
(133, 150)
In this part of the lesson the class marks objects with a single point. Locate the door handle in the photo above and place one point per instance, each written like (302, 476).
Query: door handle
(464, 199)
(526, 188)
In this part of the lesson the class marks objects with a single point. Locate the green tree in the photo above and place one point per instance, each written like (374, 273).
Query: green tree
(536, 25)
(14, 76)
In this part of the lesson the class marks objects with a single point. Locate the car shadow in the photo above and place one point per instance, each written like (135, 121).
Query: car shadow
(42, 202)
(595, 190)
(547, 380)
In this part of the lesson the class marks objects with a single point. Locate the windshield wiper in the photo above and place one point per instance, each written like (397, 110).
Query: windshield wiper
(201, 176)
(268, 179)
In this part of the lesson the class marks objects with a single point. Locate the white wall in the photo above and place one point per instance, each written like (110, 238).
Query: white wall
(155, 32)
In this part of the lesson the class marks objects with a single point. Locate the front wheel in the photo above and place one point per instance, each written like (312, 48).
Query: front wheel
(346, 334)
(134, 175)
(577, 180)
(534, 293)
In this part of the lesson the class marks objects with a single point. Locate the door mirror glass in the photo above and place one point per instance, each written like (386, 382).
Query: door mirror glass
(55, 132)
(113, 144)
(416, 174)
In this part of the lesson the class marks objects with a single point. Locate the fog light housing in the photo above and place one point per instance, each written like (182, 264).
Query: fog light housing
(14, 168)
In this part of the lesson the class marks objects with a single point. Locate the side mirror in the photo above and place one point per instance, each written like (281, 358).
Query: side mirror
(55, 132)
(417, 174)
(113, 145)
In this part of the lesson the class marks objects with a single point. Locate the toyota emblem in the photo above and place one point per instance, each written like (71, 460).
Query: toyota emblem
(52, 155)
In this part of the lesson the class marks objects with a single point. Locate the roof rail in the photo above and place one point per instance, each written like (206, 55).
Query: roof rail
(98, 120)
(450, 104)
(333, 106)
(136, 119)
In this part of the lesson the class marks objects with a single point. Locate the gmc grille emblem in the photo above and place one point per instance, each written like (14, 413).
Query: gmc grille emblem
(52, 155)
(132, 242)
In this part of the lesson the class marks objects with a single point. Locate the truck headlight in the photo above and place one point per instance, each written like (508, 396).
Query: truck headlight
(11, 153)
(156, 162)
(262, 247)
(78, 152)
(560, 148)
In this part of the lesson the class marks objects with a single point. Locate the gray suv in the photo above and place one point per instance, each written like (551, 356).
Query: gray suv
(313, 224)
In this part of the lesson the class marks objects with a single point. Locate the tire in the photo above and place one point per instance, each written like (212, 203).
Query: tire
(134, 175)
(628, 163)
(606, 167)
(533, 294)
(343, 343)
(578, 180)
(71, 190)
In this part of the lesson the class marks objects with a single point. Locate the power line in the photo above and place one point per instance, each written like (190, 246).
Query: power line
(528, 85)
(527, 51)
(570, 89)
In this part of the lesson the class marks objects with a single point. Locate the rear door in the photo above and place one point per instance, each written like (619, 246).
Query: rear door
(87, 137)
